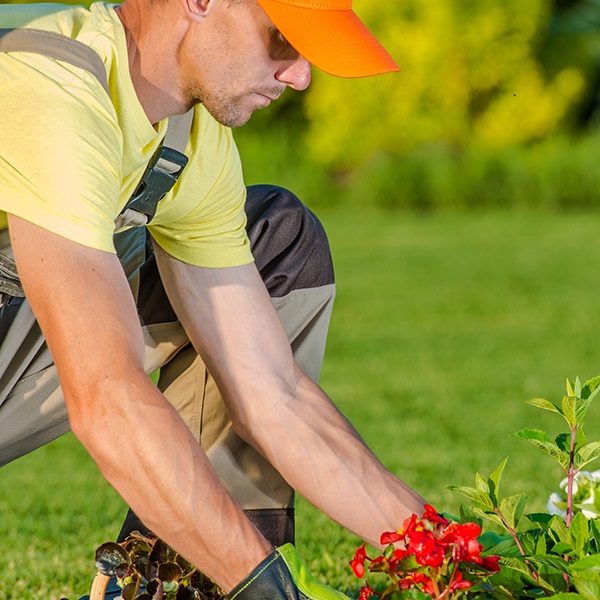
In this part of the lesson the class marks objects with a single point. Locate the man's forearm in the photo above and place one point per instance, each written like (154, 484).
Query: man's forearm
(147, 453)
(229, 316)
(330, 465)
(137, 439)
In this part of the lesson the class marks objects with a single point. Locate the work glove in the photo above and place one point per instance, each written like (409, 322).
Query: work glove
(283, 576)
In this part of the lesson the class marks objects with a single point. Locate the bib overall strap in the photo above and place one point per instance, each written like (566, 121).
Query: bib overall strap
(54, 45)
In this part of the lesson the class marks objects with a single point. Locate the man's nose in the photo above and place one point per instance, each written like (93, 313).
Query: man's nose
(295, 74)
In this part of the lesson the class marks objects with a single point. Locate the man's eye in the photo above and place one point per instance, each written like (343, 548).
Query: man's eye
(279, 47)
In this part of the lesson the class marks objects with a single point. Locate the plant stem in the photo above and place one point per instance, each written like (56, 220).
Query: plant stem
(571, 476)
(515, 537)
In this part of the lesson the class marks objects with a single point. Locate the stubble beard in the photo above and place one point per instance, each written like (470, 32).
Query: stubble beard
(224, 109)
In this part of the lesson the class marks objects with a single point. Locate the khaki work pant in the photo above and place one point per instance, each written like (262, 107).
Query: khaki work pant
(292, 255)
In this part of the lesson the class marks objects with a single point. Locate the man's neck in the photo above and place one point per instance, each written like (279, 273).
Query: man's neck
(152, 61)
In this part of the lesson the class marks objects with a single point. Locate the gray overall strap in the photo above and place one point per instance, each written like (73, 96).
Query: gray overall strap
(54, 45)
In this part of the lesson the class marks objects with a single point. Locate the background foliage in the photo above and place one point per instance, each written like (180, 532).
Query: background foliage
(496, 104)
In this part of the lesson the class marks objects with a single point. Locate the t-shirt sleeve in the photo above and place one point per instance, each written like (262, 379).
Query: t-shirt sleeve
(60, 149)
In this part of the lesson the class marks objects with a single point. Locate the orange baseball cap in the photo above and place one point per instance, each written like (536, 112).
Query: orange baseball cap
(329, 34)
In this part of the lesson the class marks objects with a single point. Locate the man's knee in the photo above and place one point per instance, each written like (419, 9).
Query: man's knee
(289, 243)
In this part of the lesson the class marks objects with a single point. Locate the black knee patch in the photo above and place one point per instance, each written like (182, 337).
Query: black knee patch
(289, 243)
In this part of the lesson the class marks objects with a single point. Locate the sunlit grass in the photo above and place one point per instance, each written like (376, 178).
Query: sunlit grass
(443, 326)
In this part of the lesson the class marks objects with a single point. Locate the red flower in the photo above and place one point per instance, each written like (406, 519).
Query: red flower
(366, 591)
(419, 581)
(463, 540)
(358, 562)
(456, 532)
(390, 537)
(399, 554)
(434, 559)
(433, 516)
(491, 563)
(459, 583)
(425, 548)
(409, 526)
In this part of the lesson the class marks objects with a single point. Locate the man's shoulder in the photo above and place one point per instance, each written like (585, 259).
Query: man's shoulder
(97, 26)
(60, 18)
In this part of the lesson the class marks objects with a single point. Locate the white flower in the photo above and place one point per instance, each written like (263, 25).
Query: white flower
(585, 486)
(554, 502)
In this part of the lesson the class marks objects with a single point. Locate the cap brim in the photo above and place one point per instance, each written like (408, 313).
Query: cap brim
(334, 41)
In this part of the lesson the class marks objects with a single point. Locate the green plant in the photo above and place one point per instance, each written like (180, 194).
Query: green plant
(536, 555)
(545, 555)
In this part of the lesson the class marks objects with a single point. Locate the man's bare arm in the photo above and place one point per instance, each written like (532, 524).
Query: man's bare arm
(84, 306)
(274, 406)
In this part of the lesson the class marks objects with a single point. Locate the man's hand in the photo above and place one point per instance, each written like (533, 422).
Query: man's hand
(83, 303)
(229, 316)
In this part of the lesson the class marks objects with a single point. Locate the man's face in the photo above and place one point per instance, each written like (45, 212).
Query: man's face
(241, 64)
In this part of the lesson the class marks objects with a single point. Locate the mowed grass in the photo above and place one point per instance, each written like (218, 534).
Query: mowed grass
(444, 324)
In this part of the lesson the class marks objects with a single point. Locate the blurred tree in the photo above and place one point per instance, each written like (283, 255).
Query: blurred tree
(476, 74)
(471, 78)
(574, 34)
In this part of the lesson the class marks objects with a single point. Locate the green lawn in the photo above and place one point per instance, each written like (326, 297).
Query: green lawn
(444, 325)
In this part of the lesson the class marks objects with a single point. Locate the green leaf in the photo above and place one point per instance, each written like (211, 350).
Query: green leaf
(489, 539)
(595, 533)
(512, 509)
(579, 532)
(540, 440)
(407, 595)
(568, 409)
(481, 484)
(562, 548)
(570, 391)
(577, 387)
(467, 515)
(505, 547)
(587, 563)
(567, 596)
(517, 564)
(473, 494)
(544, 404)
(587, 454)
(541, 520)
(563, 441)
(591, 386)
(528, 541)
(558, 529)
(581, 409)
(494, 481)
(489, 515)
(547, 560)
(580, 439)
(588, 585)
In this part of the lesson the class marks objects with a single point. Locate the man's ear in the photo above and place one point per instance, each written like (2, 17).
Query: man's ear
(198, 10)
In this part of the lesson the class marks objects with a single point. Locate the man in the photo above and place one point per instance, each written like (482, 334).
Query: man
(71, 155)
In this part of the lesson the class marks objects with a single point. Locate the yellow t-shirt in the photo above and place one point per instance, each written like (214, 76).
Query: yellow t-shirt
(71, 156)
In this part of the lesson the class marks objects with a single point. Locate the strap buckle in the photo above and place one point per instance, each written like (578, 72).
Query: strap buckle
(162, 172)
